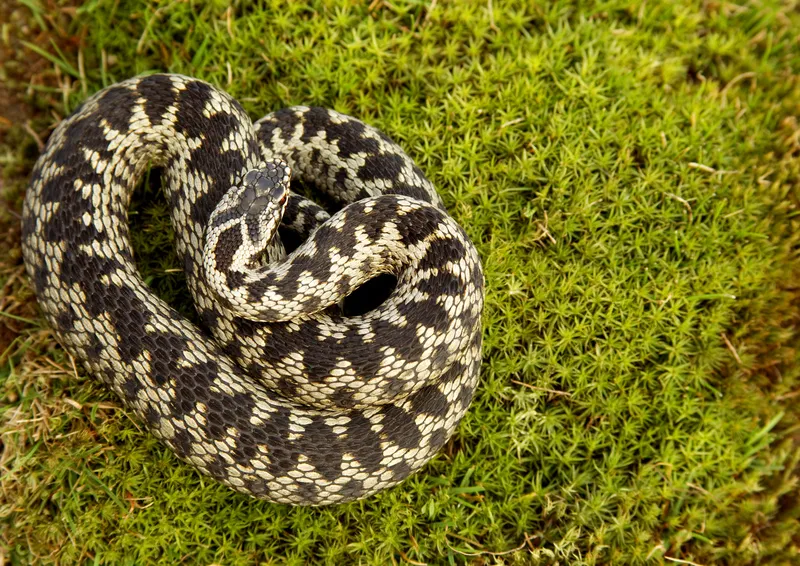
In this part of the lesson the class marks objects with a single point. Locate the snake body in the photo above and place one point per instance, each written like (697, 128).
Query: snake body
(278, 393)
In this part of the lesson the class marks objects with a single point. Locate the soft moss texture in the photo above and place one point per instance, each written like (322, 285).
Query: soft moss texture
(630, 175)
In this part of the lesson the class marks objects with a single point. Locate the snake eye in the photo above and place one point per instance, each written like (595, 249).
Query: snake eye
(277, 192)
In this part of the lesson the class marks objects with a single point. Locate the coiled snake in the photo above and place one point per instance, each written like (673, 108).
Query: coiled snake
(281, 394)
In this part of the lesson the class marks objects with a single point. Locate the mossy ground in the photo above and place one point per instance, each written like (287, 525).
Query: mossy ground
(630, 173)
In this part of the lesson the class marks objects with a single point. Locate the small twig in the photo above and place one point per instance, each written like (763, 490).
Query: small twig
(148, 25)
(724, 92)
(731, 348)
(407, 559)
(428, 11)
(104, 405)
(535, 388)
(34, 135)
(789, 395)
(734, 213)
(543, 228)
(684, 202)
(55, 365)
(640, 15)
(654, 550)
(228, 14)
(74, 367)
(82, 73)
(491, 17)
(103, 64)
(414, 543)
(528, 539)
(134, 503)
(483, 552)
(679, 561)
(708, 169)
(758, 38)
(702, 167)
(73, 403)
(511, 122)
(698, 488)
(284, 87)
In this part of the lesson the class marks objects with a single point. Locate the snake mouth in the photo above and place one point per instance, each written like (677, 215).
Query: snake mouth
(283, 197)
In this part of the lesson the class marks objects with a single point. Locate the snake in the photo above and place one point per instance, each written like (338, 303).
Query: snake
(278, 389)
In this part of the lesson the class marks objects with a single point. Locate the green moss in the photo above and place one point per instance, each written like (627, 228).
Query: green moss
(629, 174)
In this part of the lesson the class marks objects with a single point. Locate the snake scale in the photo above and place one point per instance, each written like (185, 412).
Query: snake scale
(278, 391)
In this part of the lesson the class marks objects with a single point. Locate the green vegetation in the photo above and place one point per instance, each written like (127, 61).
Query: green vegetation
(630, 174)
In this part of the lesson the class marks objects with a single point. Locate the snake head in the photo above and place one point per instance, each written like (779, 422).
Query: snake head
(265, 187)
(262, 201)
(243, 224)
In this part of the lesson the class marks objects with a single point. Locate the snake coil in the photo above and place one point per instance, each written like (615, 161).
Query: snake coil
(279, 394)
